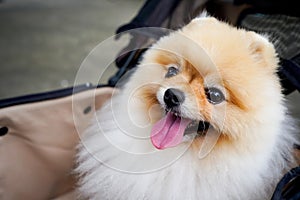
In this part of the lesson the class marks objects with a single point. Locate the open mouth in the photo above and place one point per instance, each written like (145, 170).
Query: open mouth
(197, 127)
(172, 129)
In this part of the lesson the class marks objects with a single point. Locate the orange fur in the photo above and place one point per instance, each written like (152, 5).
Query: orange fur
(243, 65)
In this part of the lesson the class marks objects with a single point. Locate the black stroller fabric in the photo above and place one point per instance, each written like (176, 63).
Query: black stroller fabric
(289, 186)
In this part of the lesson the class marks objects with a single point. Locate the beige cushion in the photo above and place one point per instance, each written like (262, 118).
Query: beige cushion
(37, 153)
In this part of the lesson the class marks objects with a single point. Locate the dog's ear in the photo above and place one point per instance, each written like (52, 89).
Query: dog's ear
(262, 50)
(203, 15)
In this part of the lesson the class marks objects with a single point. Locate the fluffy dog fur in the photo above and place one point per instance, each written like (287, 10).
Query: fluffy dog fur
(117, 160)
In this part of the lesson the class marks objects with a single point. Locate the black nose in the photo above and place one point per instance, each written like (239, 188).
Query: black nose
(173, 97)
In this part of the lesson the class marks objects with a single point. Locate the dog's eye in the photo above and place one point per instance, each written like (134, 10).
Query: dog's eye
(214, 95)
(172, 71)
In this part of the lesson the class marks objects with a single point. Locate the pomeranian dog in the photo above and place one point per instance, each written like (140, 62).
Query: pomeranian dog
(202, 117)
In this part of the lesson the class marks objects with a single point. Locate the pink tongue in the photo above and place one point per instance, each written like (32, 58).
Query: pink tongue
(168, 132)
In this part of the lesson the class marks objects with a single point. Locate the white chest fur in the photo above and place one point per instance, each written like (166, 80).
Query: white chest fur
(116, 164)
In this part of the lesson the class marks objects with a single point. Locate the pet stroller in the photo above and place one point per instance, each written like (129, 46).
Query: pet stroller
(39, 132)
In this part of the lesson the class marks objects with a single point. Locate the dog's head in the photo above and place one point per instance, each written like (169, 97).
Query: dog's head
(209, 74)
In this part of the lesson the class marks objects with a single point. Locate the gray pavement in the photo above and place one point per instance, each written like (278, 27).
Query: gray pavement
(43, 43)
